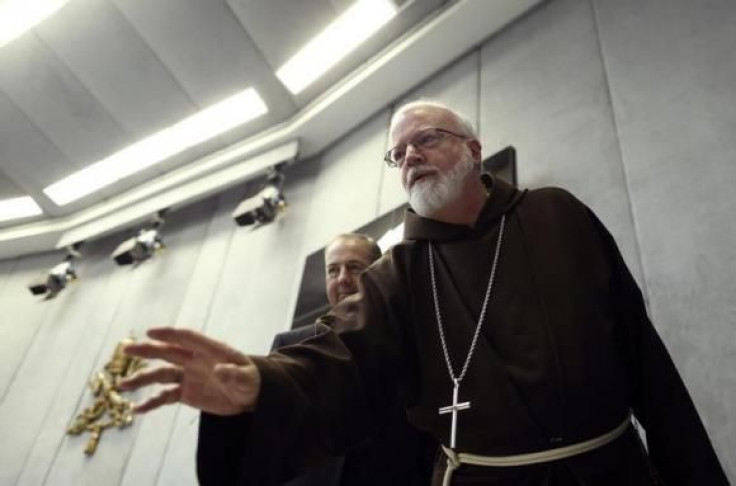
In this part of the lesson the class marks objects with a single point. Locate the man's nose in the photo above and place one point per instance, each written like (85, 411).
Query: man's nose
(344, 277)
(412, 155)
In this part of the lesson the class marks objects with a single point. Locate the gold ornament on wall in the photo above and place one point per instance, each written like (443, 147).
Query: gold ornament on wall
(109, 409)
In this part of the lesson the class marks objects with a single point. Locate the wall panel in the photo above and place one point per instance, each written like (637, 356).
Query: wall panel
(672, 70)
(347, 187)
(6, 270)
(48, 360)
(152, 295)
(544, 91)
(98, 291)
(23, 315)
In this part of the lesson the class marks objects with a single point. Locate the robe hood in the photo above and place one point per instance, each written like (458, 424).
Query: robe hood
(503, 197)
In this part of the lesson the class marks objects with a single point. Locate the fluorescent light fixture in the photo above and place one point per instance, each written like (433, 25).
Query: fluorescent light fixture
(152, 150)
(339, 38)
(19, 207)
(18, 16)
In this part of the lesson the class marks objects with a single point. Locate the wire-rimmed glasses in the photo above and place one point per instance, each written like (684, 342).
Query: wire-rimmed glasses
(423, 139)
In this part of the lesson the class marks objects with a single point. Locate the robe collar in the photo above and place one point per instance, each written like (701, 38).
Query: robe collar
(503, 197)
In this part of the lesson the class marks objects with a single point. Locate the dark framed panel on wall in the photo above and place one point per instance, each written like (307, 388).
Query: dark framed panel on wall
(312, 301)
(502, 164)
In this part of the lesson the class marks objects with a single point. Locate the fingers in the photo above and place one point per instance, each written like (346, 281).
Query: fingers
(158, 350)
(198, 343)
(166, 397)
(163, 375)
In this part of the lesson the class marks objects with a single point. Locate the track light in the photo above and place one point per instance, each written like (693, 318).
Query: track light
(53, 282)
(266, 204)
(142, 246)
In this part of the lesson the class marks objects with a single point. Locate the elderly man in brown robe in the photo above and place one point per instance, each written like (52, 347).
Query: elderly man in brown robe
(508, 321)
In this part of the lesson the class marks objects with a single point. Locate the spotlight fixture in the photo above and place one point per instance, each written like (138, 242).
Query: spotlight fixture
(56, 279)
(268, 203)
(142, 246)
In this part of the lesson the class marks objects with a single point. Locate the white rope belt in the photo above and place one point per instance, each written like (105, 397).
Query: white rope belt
(454, 459)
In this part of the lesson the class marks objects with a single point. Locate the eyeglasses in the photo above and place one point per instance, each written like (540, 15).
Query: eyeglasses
(423, 139)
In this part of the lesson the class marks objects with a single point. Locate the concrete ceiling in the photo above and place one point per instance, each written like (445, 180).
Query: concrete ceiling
(101, 74)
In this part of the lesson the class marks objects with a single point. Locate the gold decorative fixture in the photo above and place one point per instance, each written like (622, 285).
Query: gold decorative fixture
(110, 409)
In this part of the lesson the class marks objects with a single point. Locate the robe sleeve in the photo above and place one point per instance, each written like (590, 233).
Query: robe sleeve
(220, 448)
(318, 398)
(678, 444)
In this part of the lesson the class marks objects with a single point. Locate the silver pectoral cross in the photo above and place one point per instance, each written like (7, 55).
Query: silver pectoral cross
(453, 409)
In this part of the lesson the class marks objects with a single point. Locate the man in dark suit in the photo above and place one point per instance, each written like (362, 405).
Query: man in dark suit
(345, 258)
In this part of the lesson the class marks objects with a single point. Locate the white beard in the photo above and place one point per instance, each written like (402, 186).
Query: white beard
(428, 195)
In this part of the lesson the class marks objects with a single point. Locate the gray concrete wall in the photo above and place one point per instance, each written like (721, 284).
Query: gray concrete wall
(628, 104)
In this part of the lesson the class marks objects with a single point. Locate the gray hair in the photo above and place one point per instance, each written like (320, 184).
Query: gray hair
(463, 122)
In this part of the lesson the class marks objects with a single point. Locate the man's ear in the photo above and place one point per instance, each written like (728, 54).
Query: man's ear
(475, 149)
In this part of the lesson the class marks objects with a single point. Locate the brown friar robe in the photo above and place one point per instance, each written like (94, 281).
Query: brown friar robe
(565, 353)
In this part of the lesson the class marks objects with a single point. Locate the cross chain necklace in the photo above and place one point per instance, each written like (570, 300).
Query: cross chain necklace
(455, 407)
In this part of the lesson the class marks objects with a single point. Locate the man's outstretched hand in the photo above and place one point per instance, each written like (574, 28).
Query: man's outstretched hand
(205, 374)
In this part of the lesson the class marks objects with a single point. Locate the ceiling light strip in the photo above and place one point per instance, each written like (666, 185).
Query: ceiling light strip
(341, 37)
(19, 16)
(19, 207)
(152, 150)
